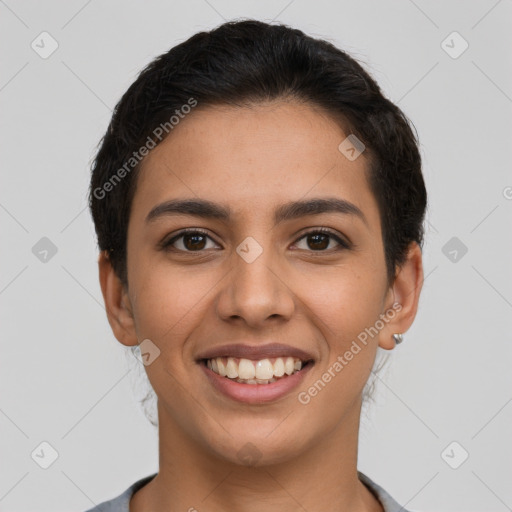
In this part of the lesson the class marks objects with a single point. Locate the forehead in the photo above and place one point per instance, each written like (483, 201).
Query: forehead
(254, 157)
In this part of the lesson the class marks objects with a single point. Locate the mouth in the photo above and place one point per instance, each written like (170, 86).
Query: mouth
(253, 372)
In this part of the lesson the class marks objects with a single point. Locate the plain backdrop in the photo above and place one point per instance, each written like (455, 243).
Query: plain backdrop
(64, 379)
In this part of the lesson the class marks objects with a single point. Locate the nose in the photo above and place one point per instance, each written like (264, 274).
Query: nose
(257, 292)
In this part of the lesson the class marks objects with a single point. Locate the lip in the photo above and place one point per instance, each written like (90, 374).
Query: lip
(255, 393)
(255, 353)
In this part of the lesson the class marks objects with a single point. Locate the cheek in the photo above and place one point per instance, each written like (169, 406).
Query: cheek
(168, 301)
(343, 308)
(347, 301)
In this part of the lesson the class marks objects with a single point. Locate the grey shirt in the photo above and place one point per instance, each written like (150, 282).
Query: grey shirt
(121, 503)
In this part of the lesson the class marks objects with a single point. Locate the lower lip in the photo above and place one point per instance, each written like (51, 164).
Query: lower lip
(255, 393)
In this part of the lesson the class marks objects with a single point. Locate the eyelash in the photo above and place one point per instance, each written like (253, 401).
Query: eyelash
(166, 245)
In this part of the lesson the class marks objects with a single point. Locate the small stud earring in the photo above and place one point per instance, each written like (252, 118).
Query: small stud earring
(398, 338)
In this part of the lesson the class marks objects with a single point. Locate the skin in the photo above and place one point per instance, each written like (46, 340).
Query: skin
(317, 299)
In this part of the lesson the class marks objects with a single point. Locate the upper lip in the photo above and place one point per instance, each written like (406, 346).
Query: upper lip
(255, 352)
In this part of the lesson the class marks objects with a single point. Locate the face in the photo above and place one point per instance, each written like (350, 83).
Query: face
(255, 271)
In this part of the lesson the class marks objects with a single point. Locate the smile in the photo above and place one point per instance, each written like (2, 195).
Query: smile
(263, 371)
(255, 382)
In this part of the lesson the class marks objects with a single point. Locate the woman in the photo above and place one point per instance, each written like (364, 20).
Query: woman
(259, 207)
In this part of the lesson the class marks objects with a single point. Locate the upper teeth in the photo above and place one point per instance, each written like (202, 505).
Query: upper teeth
(264, 369)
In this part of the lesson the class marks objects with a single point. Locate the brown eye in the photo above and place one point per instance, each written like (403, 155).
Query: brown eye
(320, 239)
(192, 240)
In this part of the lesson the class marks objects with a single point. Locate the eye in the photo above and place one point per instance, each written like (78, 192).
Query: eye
(319, 240)
(195, 240)
(190, 240)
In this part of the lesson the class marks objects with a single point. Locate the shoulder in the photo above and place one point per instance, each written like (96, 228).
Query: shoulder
(387, 502)
(122, 502)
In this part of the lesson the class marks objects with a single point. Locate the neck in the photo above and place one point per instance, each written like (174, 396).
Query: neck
(193, 477)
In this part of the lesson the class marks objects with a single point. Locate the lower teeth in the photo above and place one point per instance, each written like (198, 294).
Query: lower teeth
(260, 381)
(255, 381)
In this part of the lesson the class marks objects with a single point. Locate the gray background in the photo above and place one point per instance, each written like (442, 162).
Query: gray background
(65, 379)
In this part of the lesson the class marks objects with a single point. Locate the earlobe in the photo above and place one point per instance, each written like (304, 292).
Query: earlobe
(404, 297)
(117, 302)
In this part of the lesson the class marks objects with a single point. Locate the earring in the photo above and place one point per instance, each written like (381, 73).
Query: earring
(398, 338)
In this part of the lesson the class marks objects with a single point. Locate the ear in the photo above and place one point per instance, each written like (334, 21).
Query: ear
(117, 302)
(403, 297)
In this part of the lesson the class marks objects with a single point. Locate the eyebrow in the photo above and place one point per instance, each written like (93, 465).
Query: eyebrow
(289, 211)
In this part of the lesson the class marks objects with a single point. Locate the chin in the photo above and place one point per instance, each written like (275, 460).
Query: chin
(256, 451)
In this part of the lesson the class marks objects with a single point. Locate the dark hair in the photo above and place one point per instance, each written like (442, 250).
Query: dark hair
(245, 62)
